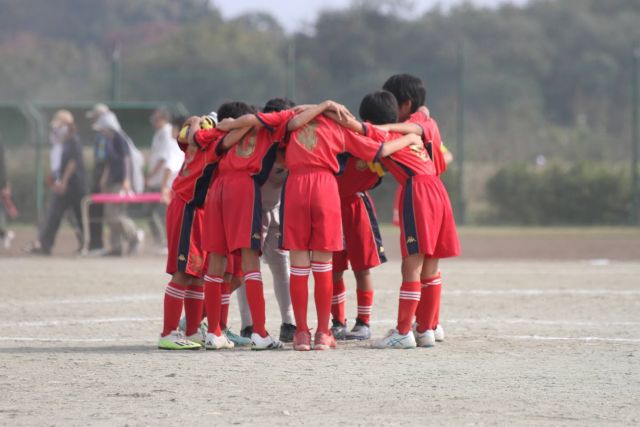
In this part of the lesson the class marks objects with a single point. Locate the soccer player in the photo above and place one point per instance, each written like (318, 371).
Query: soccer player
(185, 260)
(410, 94)
(427, 226)
(363, 247)
(233, 224)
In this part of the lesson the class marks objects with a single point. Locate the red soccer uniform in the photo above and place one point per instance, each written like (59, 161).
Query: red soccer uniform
(185, 213)
(233, 211)
(362, 241)
(426, 218)
(311, 213)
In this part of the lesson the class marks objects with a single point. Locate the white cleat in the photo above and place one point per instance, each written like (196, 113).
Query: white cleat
(199, 337)
(439, 333)
(217, 342)
(259, 343)
(395, 339)
(425, 339)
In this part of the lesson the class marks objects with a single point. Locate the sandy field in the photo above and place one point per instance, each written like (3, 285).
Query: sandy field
(533, 338)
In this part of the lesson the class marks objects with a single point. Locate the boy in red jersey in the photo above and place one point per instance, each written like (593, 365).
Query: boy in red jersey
(427, 226)
(185, 260)
(310, 218)
(233, 224)
(363, 247)
(410, 93)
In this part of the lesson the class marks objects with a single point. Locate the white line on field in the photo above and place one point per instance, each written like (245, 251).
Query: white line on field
(543, 338)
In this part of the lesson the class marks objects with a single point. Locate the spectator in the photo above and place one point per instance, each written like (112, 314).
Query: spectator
(96, 211)
(164, 164)
(5, 193)
(68, 181)
(116, 178)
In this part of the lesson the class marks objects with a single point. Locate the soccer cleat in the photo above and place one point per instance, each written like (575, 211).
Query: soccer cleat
(259, 343)
(6, 240)
(339, 330)
(360, 331)
(246, 331)
(238, 340)
(286, 332)
(324, 341)
(176, 341)
(198, 338)
(425, 339)
(439, 333)
(395, 339)
(302, 341)
(217, 342)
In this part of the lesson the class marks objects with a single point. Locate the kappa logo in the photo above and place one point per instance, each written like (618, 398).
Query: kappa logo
(307, 136)
(246, 147)
(182, 258)
(411, 239)
(381, 249)
(256, 236)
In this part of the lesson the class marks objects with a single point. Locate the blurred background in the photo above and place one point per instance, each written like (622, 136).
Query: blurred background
(534, 98)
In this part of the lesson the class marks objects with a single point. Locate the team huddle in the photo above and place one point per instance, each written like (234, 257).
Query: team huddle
(296, 179)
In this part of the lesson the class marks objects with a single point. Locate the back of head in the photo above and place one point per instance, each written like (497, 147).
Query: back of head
(234, 109)
(278, 104)
(406, 87)
(379, 107)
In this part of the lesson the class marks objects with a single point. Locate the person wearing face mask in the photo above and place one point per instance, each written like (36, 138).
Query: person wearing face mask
(67, 180)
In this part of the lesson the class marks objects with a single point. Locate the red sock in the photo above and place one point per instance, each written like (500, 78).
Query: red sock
(338, 301)
(323, 290)
(299, 290)
(193, 303)
(409, 298)
(427, 314)
(173, 298)
(212, 296)
(255, 298)
(224, 310)
(365, 303)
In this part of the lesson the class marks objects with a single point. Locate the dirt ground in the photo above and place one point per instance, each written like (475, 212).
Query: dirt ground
(542, 329)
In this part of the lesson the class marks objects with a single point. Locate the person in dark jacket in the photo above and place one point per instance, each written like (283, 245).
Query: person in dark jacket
(69, 186)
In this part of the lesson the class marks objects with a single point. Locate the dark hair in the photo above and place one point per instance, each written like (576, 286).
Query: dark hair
(234, 109)
(379, 107)
(278, 104)
(406, 87)
(178, 121)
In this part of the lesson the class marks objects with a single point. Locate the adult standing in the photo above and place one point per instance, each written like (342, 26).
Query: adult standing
(116, 179)
(68, 181)
(165, 162)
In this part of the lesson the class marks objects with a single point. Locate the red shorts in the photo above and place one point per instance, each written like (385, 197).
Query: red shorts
(427, 225)
(362, 241)
(184, 238)
(234, 265)
(310, 212)
(233, 214)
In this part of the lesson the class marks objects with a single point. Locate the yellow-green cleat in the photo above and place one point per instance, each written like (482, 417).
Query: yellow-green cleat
(176, 341)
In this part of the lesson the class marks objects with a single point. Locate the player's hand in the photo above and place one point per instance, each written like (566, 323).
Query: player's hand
(425, 111)
(166, 195)
(126, 186)
(225, 125)
(300, 108)
(341, 111)
(59, 188)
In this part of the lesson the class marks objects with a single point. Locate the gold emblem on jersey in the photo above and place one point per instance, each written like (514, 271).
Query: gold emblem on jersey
(361, 165)
(307, 136)
(246, 147)
(411, 239)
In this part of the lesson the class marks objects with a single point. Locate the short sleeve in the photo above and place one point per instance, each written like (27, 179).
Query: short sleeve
(206, 137)
(375, 133)
(276, 122)
(361, 146)
(421, 119)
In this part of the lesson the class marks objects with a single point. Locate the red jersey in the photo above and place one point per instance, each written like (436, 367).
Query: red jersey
(256, 152)
(318, 143)
(431, 138)
(194, 177)
(356, 177)
(406, 162)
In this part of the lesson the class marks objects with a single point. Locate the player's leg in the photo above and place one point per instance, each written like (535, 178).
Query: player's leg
(431, 285)
(232, 282)
(215, 339)
(364, 295)
(321, 266)
(246, 322)
(299, 289)
(260, 338)
(339, 298)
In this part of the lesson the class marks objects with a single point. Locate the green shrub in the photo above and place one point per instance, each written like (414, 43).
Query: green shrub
(583, 193)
